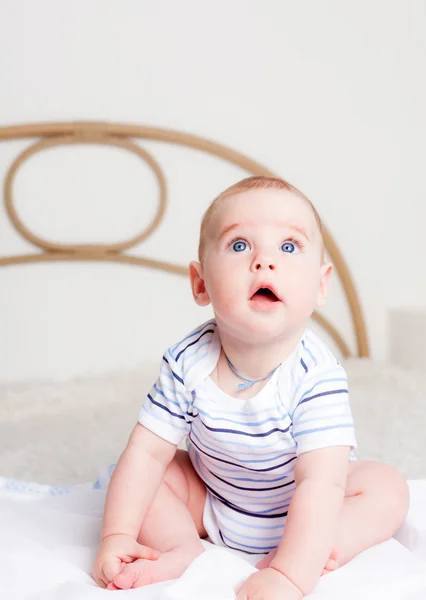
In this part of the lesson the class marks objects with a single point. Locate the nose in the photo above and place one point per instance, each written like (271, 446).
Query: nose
(261, 263)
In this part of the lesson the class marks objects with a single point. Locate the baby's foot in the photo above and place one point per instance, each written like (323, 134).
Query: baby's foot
(169, 565)
(332, 563)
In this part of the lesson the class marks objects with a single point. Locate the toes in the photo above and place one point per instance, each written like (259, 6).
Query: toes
(331, 564)
(334, 554)
(111, 586)
(126, 578)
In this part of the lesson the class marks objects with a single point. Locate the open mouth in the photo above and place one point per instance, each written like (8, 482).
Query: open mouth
(266, 294)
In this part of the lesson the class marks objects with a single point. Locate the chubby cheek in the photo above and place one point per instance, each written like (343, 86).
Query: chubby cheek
(225, 291)
(302, 289)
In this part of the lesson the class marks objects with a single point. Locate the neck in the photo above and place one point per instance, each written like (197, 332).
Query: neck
(256, 360)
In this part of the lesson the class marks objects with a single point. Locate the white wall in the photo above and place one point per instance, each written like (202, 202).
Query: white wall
(330, 95)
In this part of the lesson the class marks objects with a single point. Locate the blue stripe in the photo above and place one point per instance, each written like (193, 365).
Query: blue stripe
(254, 537)
(314, 360)
(328, 380)
(330, 393)
(253, 424)
(159, 391)
(216, 447)
(254, 460)
(194, 342)
(226, 472)
(240, 510)
(255, 413)
(327, 405)
(221, 511)
(232, 443)
(241, 501)
(173, 373)
(195, 362)
(165, 372)
(302, 362)
(327, 418)
(266, 433)
(260, 550)
(322, 429)
(238, 487)
(240, 466)
(167, 410)
(262, 480)
(239, 498)
(194, 352)
(321, 382)
(152, 415)
(208, 324)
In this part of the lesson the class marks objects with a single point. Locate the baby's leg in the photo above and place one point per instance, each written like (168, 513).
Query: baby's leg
(375, 505)
(173, 525)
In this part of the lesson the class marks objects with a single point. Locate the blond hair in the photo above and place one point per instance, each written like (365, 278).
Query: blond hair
(256, 182)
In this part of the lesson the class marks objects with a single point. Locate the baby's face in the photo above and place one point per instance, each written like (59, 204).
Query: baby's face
(263, 270)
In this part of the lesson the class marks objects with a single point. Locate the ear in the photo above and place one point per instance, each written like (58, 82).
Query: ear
(198, 287)
(326, 270)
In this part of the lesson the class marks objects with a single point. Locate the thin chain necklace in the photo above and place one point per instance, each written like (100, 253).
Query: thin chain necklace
(247, 382)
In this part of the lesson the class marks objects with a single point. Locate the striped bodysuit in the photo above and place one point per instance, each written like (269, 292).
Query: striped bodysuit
(245, 450)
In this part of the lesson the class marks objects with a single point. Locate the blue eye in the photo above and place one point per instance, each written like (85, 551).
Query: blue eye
(239, 246)
(289, 247)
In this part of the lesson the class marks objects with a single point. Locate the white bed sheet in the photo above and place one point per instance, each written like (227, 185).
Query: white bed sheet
(47, 547)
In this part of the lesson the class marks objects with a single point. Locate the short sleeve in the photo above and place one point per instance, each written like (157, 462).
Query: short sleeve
(166, 410)
(322, 416)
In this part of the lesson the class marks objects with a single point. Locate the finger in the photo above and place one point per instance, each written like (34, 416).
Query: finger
(145, 552)
(112, 586)
(98, 578)
(100, 581)
(111, 568)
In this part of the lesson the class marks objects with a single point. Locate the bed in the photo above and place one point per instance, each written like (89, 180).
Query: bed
(44, 482)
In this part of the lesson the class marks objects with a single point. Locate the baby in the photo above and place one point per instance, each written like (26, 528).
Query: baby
(263, 406)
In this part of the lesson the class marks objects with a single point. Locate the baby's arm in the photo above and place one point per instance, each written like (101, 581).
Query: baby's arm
(133, 486)
(313, 517)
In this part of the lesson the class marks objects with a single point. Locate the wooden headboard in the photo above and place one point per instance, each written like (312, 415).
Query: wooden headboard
(49, 135)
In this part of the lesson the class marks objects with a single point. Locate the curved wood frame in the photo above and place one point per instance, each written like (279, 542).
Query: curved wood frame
(55, 134)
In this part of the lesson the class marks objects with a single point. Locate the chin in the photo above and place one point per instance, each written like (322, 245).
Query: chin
(262, 329)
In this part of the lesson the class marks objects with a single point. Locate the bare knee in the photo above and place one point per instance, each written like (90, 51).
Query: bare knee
(390, 491)
(399, 496)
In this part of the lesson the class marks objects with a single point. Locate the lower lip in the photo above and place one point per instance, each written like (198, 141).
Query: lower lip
(264, 304)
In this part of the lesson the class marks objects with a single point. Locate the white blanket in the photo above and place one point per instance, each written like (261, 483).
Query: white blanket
(47, 547)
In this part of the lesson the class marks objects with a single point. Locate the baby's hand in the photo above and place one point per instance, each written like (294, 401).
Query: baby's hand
(268, 584)
(114, 551)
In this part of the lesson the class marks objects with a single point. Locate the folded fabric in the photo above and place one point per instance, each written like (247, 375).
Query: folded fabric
(215, 575)
(412, 534)
(386, 571)
(47, 548)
